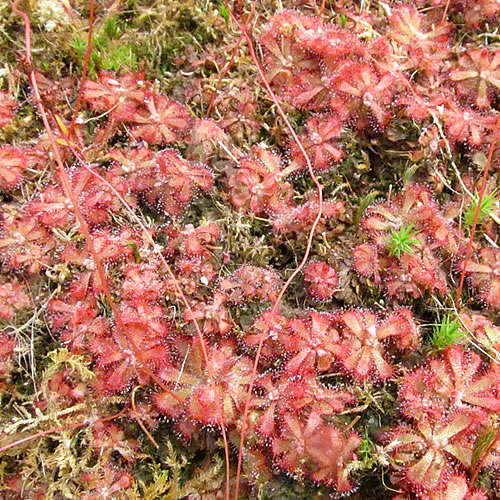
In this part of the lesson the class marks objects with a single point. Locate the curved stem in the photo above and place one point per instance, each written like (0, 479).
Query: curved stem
(445, 12)
(138, 418)
(322, 8)
(85, 67)
(230, 62)
(309, 239)
(468, 251)
(62, 174)
(226, 456)
(66, 185)
(178, 288)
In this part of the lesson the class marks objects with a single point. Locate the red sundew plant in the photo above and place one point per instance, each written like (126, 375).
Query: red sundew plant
(299, 219)
(205, 138)
(415, 273)
(284, 57)
(52, 208)
(410, 275)
(7, 346)
(113, 248)
(480, 11)
(409, 237)
(458, 487)
(362, 94)
(331, 43)
(95, 197)
(319, 142)
(482, 328)
(165, 227)
(466, 125)
(239, 119)
(8, 105)
(478, 76)
(62, 385)
(161, 122)
(414, 205)
(77, 319)
(258, 185)
(322, 280)
(429, 451)
(142, 284)
(251, 283)
(316, 342)
(424, 47)
(364, 337)
(13, 162)
(214, 317)
(316, 450)
(13, 298)
(177, 182)
(109, 481)
(192, 394)
(121, 360)
(117, 96)
(136, 166)
(293, 390)
(191, 241)
(109, 438)
(24, 244)
(267, 331)
(456, 382)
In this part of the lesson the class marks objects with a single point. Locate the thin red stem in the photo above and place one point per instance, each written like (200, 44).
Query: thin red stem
(139, 420)
(84, 228)
(308, 247)
(146, 233)
(484, 181)
(85, 67)
(27, 31)
(63, 176)
(230, 62)
(228, 468)
(186, 303)
(445, 13)
(64, 179)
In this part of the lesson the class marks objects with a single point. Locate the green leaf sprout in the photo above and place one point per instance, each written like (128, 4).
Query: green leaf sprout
(446, 333)
(401, 241)
(487, 205)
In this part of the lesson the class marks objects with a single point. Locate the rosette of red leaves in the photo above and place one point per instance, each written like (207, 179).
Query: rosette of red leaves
(431, 451)
(458, 381)
(366, 339)
(315, 449)
(322, 280)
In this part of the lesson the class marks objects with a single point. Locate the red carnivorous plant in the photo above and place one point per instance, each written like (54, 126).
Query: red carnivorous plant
(125, 293)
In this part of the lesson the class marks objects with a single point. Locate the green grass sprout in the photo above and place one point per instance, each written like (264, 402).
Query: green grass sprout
(224, 12)
(446, 333)
(401, 241)
(487, 206)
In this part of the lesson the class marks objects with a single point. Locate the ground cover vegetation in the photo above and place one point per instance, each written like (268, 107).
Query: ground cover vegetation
(250, 249)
